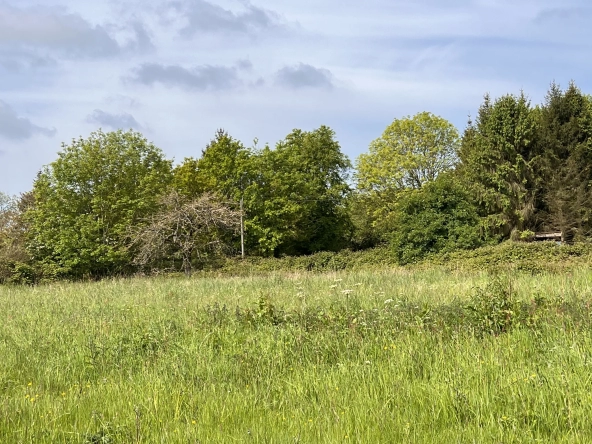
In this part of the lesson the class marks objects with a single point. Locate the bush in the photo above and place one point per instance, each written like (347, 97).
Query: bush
(439, 217)
(494, 309)
(531, 257)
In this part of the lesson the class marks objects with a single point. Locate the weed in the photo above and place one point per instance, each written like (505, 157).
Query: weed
(494, 309)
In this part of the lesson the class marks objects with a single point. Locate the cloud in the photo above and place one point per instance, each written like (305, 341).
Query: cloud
(42, 29)
(18, 128)
(115, 121)
(304, 76)
(46, 28)
(143, 40)
(204, 17)
(122, 100)
(244, 64)
(203, 78)
(15, 61)
(562, 14)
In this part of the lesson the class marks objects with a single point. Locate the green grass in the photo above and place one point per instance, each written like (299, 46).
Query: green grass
(425, 356)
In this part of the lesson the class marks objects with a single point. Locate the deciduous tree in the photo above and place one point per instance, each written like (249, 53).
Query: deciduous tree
(87, 199)
(439, 217)
(411, 152)
(296, 197)
(186, 230)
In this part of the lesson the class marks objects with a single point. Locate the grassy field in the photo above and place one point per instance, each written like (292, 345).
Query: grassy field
(424, 356)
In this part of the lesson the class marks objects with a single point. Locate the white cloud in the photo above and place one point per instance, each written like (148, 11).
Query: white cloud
(202, 17)
(63, 33)
(304, 76)
(46, 28)
(193, 66)
(202, 78)
(13, 127)
(113, 120)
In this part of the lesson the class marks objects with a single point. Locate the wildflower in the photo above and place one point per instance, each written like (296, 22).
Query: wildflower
(388, 301)
(347, 291)
(30, 384)
(193, 422)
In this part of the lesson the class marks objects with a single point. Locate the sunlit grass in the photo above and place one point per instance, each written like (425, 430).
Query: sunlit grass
(370, 357)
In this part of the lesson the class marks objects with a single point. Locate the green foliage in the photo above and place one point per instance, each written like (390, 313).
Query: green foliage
(221, 170)
(532, 258)
(88, 199)
(498, 161)
(535, 258)
(365, 232)
(439, 217)
(411, 152)
(295, 201)
(494, 309)
(298, 358)
(15, 263)
(565, 126)
(518, 170)
(294, 195)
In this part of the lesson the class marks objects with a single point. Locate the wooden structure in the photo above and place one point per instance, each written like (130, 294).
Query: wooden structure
(554, 236)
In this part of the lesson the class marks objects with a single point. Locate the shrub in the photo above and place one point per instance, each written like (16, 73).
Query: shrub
(494, 309)
(439, 217)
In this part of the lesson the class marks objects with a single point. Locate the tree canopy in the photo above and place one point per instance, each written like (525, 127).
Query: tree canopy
(87, 200)
(112, 203)
(499, 159)
(296, 197)
(411, 152)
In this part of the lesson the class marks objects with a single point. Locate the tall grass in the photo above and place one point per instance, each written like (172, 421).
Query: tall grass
(370, 357)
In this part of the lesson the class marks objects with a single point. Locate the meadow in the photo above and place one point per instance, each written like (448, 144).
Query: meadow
(369, 356)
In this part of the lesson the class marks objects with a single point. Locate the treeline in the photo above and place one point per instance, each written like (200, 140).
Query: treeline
(112, 204)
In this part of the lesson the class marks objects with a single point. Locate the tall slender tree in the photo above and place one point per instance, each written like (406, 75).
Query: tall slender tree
(565, 125)
(499, 159)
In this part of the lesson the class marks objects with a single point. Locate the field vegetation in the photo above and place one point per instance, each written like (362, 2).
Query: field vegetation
(389, 299)
(377, 355)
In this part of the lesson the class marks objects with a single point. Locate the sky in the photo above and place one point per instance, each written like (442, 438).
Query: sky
(179, 70)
